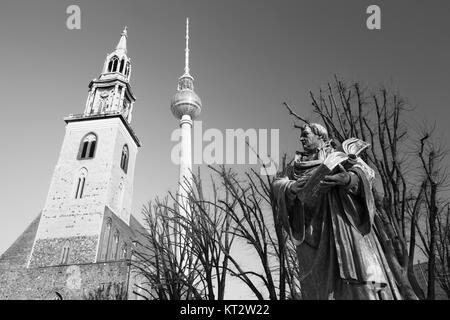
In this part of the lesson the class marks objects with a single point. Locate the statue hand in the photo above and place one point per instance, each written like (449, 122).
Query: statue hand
(322, 155)
(339, 179)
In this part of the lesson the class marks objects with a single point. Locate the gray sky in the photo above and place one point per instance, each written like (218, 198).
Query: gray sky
(247, 58)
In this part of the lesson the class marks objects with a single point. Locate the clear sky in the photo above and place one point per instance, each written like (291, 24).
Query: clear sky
(247, 56)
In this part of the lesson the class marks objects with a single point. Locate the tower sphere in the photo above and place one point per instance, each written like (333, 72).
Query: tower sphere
(186, 102)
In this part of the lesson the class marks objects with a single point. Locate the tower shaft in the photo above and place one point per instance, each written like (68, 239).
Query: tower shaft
(185, 177)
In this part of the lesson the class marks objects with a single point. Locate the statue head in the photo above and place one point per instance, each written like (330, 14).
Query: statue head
(313, 137)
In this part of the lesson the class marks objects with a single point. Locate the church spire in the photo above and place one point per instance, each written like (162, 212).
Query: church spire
(122, 45)
(117, 63)
(111, 92)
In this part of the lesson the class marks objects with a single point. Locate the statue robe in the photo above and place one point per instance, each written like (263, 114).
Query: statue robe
(338, 251)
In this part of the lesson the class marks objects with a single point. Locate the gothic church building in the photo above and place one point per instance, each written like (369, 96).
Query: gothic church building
(83, 239)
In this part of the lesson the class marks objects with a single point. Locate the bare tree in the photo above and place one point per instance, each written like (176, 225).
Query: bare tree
(189, 244)
(204, 236)
(163, 261)
(443, 250)
(435, 210)
(256, 222)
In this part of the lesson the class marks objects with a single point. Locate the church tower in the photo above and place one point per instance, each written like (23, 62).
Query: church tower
(86, 217)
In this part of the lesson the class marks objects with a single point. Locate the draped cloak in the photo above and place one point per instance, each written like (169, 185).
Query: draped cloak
(338, 251)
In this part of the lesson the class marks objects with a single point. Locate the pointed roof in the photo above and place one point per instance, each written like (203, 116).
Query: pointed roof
(122, 45)
(16, 256)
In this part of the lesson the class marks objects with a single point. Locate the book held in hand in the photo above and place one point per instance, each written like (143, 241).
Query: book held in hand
(351, 148)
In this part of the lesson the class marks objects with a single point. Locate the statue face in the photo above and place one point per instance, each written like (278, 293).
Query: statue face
(309, 140)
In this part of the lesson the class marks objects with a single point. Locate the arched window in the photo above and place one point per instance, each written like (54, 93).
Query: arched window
(65, 253)
(122, 62)
(116, 245)
(110, 65)
(127, 70)
(115, 62)
(108, 236)
(124, 158)
(81, 181)
(87, 147)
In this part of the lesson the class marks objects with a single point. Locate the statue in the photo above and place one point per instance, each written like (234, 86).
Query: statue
(326, 204)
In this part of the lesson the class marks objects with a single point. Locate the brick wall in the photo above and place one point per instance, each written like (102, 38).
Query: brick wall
(48, 252)
(69, 281)
(72, 282)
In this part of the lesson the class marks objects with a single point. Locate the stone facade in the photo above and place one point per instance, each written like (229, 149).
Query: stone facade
(108, 188)
(72, 282)
(112, 247)
(45, 253)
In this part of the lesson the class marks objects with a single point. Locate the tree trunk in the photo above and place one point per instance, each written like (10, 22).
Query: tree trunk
(432, 253)
(412, 245)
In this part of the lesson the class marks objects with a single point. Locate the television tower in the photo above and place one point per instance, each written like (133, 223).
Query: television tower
(186, 106)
